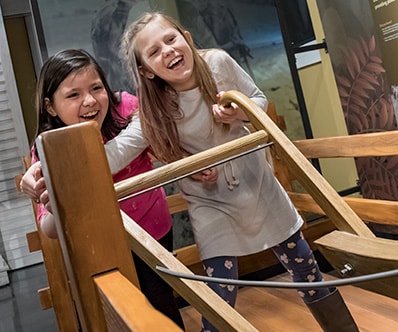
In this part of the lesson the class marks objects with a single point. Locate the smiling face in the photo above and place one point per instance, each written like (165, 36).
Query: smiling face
(164, 52)
(80, 97)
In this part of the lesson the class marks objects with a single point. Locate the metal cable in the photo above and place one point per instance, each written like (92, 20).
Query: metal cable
(278, 284)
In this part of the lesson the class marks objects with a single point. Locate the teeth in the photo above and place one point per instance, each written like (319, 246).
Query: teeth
(172, 63)
(91, 114)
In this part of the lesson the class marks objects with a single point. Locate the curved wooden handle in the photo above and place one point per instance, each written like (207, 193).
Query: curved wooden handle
(321, 191)
(252, 110)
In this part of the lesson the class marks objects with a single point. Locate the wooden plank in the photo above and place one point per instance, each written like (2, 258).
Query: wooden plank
(360, 145)
(33, 239)
(322, 192)
(60, 292)
(373, 210)
(176, 203)
(58, 296)
(188, 255)
(198, 294)
(280, 170)
(45, 298)
(127, 309)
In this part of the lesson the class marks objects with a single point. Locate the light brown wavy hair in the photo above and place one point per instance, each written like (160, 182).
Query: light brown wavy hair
(158, 101)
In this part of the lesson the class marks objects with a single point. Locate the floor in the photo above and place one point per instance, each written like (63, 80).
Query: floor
(281, 310)
(20, 308)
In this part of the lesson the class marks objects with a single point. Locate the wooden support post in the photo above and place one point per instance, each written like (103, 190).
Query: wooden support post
(58, 295)
(87, 214)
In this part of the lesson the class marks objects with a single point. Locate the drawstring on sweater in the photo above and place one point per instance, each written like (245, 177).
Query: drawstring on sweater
(234, 181)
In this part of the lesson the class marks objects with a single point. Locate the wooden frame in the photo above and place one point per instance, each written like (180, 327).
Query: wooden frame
(321, 197)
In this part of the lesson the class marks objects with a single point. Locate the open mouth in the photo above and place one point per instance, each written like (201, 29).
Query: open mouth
(90, 116)
(175, 62)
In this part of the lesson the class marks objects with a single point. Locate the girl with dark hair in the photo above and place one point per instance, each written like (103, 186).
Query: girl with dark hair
(71, 89)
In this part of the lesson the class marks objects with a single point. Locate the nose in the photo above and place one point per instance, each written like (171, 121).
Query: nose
(167, 49)
(89, 100)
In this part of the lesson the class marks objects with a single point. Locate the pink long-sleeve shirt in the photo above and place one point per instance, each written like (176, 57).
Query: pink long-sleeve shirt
(150, 209)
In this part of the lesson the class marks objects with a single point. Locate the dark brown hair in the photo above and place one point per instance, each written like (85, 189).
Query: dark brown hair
(54, 71)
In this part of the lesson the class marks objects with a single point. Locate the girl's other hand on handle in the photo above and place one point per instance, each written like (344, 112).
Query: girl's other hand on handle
(209, 175)
(227, 113)
(28, 181)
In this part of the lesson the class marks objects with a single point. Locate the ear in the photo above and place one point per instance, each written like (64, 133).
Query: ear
(188, 36)
(49, 108)
(146, 73)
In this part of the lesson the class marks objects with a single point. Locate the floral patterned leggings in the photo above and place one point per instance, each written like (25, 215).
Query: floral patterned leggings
(295, 255)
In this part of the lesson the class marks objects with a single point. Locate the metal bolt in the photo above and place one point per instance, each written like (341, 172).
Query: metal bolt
(347, 271)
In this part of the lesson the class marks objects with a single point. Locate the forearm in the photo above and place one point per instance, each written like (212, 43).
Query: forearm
(125, 147)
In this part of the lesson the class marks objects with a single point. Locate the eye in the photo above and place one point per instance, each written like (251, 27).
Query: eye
(72, 95)
(98, 87)
(171, 38)
(153, 52)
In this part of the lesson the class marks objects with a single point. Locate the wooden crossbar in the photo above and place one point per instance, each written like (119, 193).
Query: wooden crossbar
(189, 164)
(364, 256)
(360, 145)
(372, 210)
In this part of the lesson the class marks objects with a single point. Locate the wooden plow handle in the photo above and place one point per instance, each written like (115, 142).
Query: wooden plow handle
(327, 198)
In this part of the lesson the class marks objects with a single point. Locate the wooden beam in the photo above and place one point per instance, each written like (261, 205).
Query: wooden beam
(45, 298)
(198, 294)
(58, 295)
(127, 309)
(360, 145)
(373, 210)
(33, 240)
(176, 203)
